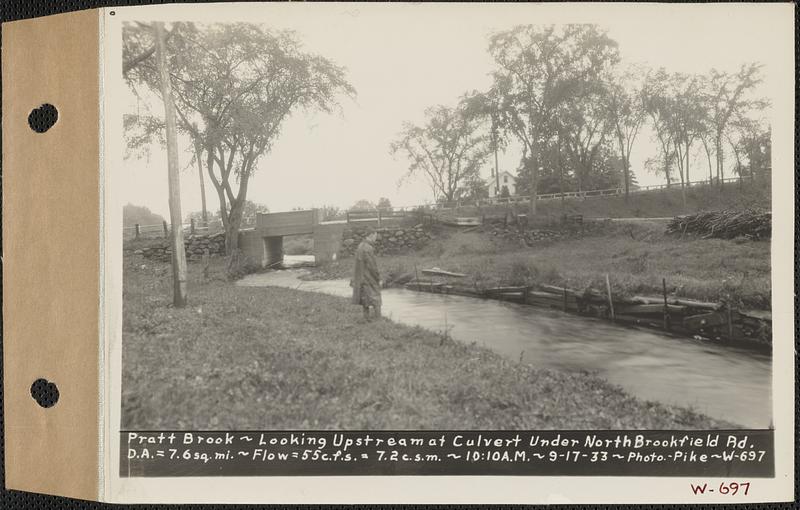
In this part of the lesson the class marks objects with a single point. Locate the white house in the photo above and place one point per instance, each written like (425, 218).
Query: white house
(507, 179)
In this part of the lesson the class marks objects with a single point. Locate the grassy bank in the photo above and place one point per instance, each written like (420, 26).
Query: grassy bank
(649, 204)
(635, 256)
(272, 358)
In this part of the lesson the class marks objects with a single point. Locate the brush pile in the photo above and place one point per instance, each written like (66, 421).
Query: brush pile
(749, 223)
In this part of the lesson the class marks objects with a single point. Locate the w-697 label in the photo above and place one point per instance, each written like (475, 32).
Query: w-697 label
(723, 488)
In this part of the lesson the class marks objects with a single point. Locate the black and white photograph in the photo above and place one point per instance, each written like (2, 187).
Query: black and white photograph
(447, 218)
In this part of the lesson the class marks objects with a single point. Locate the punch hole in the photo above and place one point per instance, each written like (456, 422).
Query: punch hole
(42, 118)
(44, 392)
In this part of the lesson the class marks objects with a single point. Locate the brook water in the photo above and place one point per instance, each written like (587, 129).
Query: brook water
(723, 382)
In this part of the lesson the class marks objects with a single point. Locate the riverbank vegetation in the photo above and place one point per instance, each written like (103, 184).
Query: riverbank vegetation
(635, 256)
(274, 358)
(663, 203)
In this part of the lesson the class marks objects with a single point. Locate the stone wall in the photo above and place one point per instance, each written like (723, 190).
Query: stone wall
(390, 240)
(327, 241)
(159, 249)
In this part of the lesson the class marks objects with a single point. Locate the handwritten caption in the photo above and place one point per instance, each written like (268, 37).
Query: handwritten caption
(602, 453)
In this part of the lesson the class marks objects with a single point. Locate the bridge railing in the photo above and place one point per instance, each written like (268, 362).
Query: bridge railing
(379, 216)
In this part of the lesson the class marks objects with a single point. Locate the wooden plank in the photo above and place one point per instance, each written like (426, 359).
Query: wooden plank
(675, 301)
(647, 309)
(441, 272)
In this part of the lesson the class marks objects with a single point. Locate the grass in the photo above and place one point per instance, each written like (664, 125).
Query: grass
(272, 358)
(635, 256)
(649, 204)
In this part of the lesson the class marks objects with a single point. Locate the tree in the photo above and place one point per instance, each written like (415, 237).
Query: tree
(362, 205)
(235, 85)
(582, 127)
(727, 100)
(485, 106)
(755, 143)
(141, 215)
(675, 103)
(448, 150)
(653, 92)
(332, 213)
(626, 113)
(384, 203)
(250, 209)
(540, 69)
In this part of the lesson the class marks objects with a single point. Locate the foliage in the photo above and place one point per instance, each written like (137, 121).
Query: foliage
(140, 131)
(626, 112)
(448, 150)
(133, 214)
(539, 71)
(384, 203)
(362, 205)
(251, 209)
(727, 100)
(331, 213)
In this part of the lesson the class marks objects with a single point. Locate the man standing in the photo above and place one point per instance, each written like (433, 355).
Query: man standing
(366, 281)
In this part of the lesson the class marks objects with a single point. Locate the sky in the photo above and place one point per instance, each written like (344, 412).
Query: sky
(403, 58)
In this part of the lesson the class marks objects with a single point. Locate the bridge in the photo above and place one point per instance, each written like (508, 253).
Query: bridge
(264, 242)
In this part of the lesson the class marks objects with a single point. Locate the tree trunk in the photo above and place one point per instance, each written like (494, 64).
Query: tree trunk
(534, 186)
(720, 160)
(561, 175)
(688, 179)
(496, 166)
(198, 150)
(232, 229)
(178, 250)
(627, 176)
(625, 164)
(708, 156)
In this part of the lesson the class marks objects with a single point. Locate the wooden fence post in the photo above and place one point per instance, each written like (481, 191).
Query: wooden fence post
(191, 226)
(610, 302)
(166, 229)
(666, 307)
(730, 321)
(138, 232)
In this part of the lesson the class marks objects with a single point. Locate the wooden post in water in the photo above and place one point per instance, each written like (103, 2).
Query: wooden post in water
(138, 232)
(525, 294)
(565, 298)
(610, 302)
(379, 218)
(166, 229)
(666, 308)
(730, 321)
(191, 226)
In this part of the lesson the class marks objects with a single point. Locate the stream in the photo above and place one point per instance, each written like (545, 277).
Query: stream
(724, 382)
